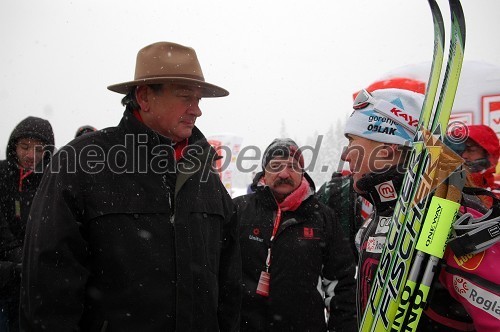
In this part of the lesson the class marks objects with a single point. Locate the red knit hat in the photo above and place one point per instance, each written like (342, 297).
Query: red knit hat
(487, 139)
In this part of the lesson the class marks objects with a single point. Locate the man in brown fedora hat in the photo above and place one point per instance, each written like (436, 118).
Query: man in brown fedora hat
(134, 234)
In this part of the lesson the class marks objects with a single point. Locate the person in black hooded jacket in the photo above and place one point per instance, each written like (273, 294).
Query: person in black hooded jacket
(29, 149)
(296, 260)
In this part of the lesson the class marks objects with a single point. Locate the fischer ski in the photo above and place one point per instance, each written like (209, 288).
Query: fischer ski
(379, 284)
(444, 205)
(391, 276)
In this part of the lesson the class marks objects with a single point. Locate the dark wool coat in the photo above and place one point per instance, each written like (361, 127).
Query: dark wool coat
(312, 267)
(117, 241)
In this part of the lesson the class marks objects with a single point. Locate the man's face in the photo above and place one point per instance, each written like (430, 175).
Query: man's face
(473, 151)
(366, 156)
(283, 176)
(172, 111)
(29, 152)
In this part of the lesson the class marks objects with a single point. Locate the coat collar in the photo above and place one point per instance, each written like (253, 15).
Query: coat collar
(382, 189)
(199, 155)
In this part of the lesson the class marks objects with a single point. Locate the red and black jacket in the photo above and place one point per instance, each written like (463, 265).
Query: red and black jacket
(444, 312)
(309, 251)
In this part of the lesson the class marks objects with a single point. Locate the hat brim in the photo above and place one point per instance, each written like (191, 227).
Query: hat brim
(208, 90)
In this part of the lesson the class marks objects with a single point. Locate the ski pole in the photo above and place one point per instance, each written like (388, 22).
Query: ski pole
(432, 243)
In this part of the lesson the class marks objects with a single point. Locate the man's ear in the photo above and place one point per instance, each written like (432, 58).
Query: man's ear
(141, 95)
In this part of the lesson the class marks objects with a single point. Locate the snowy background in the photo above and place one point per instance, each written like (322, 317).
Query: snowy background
(291, 66)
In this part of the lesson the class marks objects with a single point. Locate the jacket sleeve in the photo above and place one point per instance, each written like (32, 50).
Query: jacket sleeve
(10, 258)
(53, 274)
(10, 246)
(8, 275)
(338, 278)
(230, 290)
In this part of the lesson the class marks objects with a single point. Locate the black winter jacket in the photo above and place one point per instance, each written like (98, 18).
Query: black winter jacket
(16, 194)
(118, 241)
(310, 257)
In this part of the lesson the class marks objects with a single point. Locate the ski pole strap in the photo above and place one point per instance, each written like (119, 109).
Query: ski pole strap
(474, 235)
(475, 191)
(480, 192)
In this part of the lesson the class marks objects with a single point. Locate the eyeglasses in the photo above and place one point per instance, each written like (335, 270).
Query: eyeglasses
(363, 99)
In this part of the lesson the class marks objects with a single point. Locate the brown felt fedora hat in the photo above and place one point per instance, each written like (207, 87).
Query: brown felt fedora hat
(166, 62)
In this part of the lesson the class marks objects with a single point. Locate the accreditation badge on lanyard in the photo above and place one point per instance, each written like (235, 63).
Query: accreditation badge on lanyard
(265, 276)
(17, 202)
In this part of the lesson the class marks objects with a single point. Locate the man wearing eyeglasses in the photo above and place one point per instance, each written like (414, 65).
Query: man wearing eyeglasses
(380, 132)
(131, 230)
(296, 260)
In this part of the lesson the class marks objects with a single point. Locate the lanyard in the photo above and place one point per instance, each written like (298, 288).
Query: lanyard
(17, 203)
(22, 176)
(276, 226)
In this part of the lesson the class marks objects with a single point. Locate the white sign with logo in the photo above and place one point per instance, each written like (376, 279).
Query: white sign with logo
(383, 225)
(386, 191)
(462, 117)
(491, 112)
(375, 244)
(227, 146)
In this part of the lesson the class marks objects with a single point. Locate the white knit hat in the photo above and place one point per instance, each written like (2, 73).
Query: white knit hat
(391, 116)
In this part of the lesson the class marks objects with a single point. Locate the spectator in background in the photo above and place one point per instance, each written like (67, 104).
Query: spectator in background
(339, 194)
(84, 130)
(29, 149)
(481, 153)
(142, 241)
(480, 150)
(296, 260)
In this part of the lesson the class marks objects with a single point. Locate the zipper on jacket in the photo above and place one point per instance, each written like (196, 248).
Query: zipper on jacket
(172, 214)
(169, 197)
